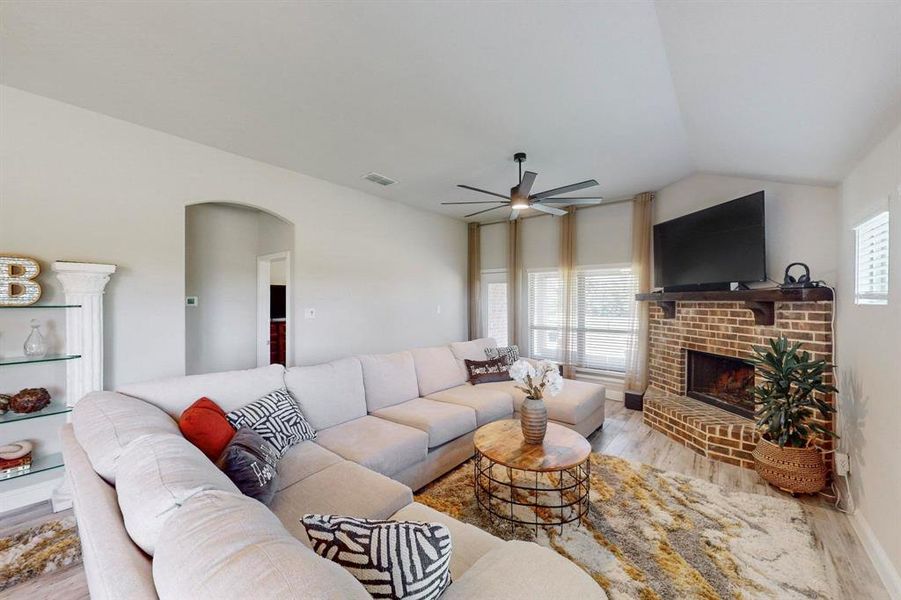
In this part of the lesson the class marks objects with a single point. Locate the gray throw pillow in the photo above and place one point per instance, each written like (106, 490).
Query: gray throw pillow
(392, 559)
(251, 463)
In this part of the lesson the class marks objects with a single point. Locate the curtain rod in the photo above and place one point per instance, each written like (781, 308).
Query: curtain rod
(604, 203)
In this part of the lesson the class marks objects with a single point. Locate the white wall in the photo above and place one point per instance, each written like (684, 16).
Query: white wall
(869, 361)
(800, 219)
(78, 185)
(222, 243)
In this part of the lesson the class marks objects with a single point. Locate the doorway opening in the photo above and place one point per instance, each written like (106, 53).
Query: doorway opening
(231, 250)
(273, 309)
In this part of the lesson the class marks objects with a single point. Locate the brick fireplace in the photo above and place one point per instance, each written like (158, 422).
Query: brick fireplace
(699, 394)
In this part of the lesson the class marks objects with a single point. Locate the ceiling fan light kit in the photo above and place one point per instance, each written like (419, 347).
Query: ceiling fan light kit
(519, 198)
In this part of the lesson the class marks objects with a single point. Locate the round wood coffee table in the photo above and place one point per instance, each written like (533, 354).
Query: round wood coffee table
(543, 484)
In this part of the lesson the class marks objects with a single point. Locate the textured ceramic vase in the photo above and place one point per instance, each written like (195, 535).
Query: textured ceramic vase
(533, 419)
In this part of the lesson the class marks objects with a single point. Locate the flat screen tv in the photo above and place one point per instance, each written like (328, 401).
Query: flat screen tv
(711, 248)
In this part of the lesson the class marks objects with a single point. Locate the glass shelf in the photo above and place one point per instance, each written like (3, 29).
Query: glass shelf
(39, 464)
(56, 407)
(23, 360)
(44, 306)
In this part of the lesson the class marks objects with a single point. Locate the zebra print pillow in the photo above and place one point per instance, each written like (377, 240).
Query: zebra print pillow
(392, 559)
(510, 354)
(277, 418)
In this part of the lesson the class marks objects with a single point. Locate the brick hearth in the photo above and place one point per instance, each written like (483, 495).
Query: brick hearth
(725, 328)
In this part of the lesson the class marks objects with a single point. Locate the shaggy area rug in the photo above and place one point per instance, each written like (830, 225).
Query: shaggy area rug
(34, 551)
(652, 534)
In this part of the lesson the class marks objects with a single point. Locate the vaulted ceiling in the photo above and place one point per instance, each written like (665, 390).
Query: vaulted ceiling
(633, 94)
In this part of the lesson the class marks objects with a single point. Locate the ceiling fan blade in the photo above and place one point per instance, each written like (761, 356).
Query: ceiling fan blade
(481, 202)
(571, 201)
(481, 211)
(514, 214)
(525, 186)
(475, 189)
(565, 189)
(549, 209)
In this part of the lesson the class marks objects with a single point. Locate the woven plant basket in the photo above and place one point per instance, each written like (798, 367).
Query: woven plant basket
(793, 470)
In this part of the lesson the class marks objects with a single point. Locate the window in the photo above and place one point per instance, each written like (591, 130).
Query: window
(602, 317)
(494, 306)
(871, 260)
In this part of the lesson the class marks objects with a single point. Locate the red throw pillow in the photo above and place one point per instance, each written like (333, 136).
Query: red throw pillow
(204, 425)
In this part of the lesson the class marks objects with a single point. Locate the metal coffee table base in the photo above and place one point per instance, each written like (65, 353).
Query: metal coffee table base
(554, 498)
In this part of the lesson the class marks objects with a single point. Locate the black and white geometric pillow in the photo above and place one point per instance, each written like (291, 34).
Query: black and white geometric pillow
(510, 354)
(392, 559)
(277, 418)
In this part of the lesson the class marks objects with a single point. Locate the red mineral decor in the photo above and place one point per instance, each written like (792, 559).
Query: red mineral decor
(204, 425)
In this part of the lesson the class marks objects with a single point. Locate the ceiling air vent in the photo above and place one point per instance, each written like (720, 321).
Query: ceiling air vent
(379, 179)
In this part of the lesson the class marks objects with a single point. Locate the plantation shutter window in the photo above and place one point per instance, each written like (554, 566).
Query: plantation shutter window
(494, 307)
(871, 260)
(603, 318)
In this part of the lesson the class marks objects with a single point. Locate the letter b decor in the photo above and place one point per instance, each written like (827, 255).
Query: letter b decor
(17, 281)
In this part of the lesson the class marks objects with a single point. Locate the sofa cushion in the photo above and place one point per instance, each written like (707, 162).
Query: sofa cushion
(105, 423)
(329, 394)
(575, 402)
(524, 570)
(204, 425)
(277, 417)
(388, 379)
(378, 444)
(490, 404)
(470, 543)
(441, 420)
(392, 559)
(436, 369)
(251, 463)
(114, 566)
(345, 488)
(303, 460)
(156, 475)
(246, 553)
(229, 389)
(473, 350)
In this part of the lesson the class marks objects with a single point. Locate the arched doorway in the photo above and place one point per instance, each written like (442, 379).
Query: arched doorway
(238, 268)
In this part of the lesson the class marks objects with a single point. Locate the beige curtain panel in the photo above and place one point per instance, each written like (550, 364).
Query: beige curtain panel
(637, 357)
(474, 281)
(514, 273)
(567, 269)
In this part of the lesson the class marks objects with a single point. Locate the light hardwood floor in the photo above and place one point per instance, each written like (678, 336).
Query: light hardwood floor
(850, 572)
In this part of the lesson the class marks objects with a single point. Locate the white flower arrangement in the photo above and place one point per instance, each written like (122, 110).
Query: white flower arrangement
(535, 379)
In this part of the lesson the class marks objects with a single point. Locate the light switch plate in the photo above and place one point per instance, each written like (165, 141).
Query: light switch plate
(309, 313)
(192, 301)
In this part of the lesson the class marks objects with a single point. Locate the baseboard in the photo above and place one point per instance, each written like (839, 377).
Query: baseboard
(881, 561)
(32, 494)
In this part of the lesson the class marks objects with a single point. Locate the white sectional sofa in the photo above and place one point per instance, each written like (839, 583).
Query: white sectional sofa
(157, 519)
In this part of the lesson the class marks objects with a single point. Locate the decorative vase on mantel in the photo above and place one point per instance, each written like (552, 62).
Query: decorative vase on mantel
(533, 419)
(535, 380)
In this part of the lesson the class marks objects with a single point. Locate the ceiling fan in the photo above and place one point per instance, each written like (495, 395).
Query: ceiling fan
(520, 199)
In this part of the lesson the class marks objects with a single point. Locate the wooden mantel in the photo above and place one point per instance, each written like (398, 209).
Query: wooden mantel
(760, 302)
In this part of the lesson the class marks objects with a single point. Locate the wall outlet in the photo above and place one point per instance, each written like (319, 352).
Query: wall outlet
(309, 313)
(842, 464)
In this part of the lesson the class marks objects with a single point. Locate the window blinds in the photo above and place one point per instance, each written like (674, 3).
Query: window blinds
(602, 317)
(872, 256)
(494, 307)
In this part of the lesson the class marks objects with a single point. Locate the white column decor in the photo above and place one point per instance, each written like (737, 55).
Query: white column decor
(83, 283)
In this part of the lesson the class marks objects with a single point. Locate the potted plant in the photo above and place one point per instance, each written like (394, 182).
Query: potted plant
(786, 404)
(535, 380)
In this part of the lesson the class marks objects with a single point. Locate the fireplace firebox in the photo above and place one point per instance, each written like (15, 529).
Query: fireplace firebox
(722, 381)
